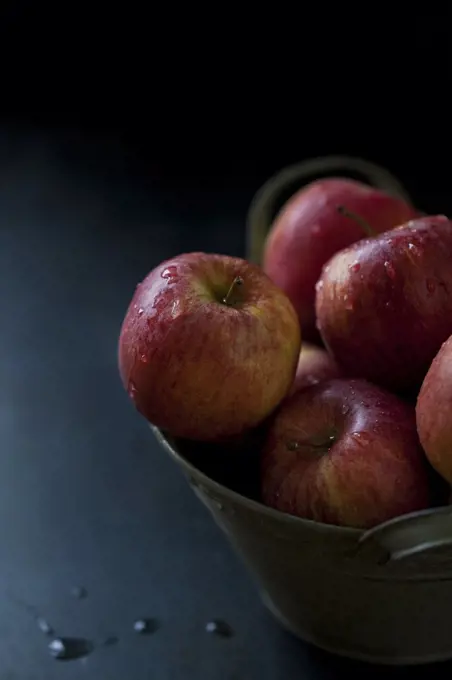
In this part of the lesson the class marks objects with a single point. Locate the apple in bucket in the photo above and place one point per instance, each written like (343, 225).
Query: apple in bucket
(344, 452)
(208, 347)
(433, 412)
(314, 365)
(309, 231)
(384, 304)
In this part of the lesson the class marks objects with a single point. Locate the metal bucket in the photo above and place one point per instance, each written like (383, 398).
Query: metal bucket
(384, 595)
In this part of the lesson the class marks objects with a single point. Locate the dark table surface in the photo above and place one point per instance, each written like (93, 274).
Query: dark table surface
(87, 498)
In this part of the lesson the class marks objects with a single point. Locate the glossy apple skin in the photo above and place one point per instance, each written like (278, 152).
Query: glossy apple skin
(434, 412)
(201, 369)
(309, 231)
(384, 305)
(314, 365)
(344, 452)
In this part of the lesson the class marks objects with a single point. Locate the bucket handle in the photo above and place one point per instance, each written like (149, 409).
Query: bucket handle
(404, 537)
(265, 203)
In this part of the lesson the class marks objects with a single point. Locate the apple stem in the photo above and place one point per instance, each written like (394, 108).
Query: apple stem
(238, 281)
(294, 445)
(342, 210)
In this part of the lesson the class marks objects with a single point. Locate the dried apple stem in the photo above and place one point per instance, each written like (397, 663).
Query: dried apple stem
(238, 281)
(342, 210)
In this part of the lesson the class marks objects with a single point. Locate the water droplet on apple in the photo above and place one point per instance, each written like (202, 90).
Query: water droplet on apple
(361, 437)
(143, 359)
(132, 390)
(414, 250)
(319, 285)
(140, 311)
(175, 308)
(169, 272)
(348, 304)
(431, 285)
(293, 445)
(355, 267)
(390, 269)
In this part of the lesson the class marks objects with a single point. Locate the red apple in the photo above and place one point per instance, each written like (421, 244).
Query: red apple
(314, 365)
(434, 412)
(344, 452)
(384, 305)
(208, 347)
(309, 230)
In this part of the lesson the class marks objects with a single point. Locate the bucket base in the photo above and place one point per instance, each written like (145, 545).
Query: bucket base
(355, 655)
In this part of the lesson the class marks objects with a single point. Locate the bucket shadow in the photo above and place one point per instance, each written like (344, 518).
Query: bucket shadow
(316, 663)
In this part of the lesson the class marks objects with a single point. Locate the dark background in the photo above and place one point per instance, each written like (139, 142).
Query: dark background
(126, 138)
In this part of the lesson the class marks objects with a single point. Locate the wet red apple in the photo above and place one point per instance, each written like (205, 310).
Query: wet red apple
(309, 230)
(434, 412)
(314, 365)
(384, 304)
(208, 347)
(344, 452)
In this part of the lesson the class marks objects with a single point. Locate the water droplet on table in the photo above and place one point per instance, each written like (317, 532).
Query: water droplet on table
(68, 649)
(110, 641)
(145, 626)
(44, 626)
(57, 649)
(220, 628)
(79, 592)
